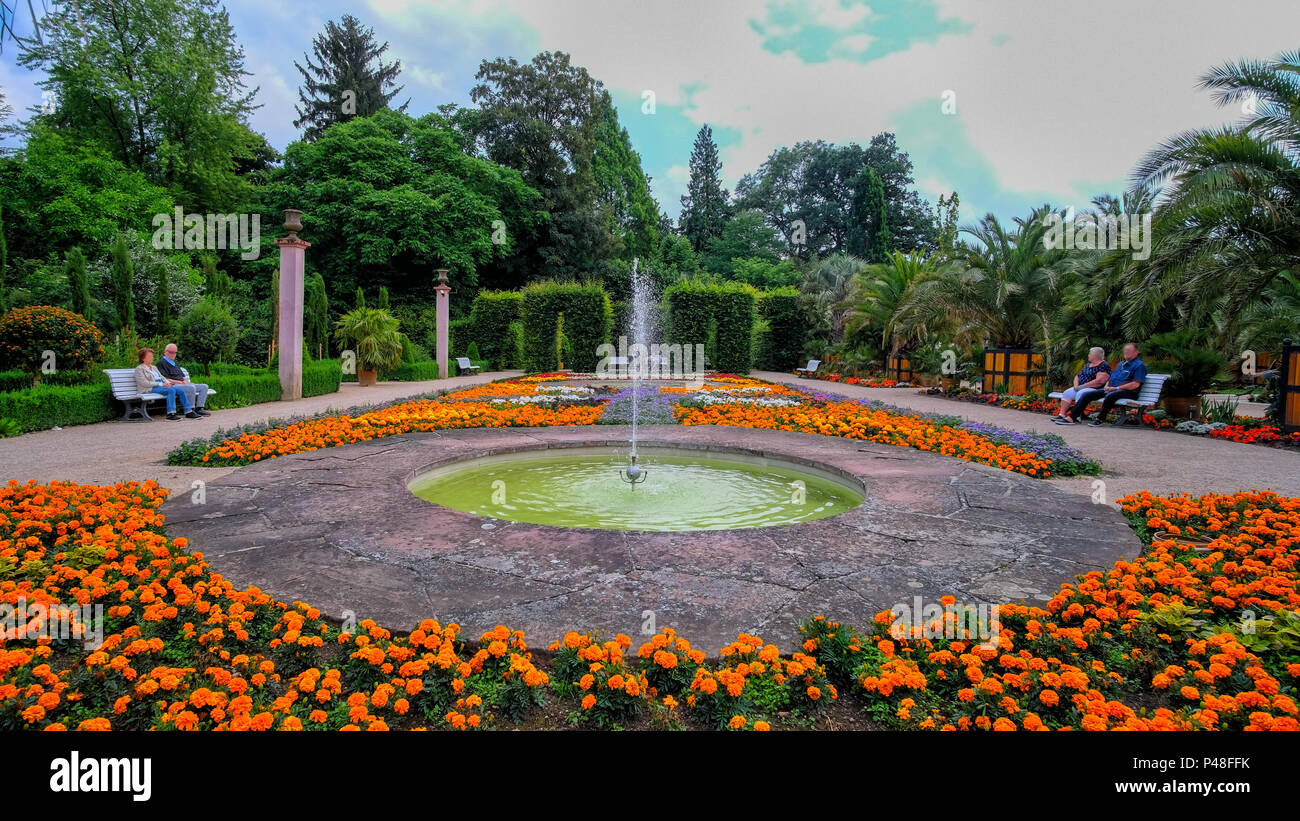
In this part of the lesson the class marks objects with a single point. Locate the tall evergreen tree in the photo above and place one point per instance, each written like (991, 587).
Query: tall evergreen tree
(882, 242)
(361, 298)
(74, 264)
(349, 78)
(706, 206)
(216, 283)
(4, 262)
(163, 304)
(123, 270)
(316, 320)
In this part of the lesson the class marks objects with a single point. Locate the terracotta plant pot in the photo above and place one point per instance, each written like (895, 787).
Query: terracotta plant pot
(367, 378)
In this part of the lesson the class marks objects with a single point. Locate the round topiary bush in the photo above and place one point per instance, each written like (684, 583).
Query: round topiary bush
(27, 333)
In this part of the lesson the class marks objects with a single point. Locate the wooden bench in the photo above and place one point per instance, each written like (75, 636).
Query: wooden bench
(463, 366)
(810, 370)
(1148, 394)
(122, 381)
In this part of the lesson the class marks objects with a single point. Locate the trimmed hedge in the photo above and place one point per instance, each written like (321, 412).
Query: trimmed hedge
(787, 329)
(720, 316)
(48, 406)
(490, 318)
(588, 320)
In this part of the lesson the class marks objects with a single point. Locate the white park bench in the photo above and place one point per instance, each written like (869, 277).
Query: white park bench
(1148, 394)
(463, 366)
(125, 391)
(813, 365)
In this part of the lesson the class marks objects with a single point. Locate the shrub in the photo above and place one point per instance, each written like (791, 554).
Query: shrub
(787, 329)
(321, 377)
(26, 333)
(490, 318)
(372, 333)
(48, 406)
(588, 319)
(210, 333)
(719, 316)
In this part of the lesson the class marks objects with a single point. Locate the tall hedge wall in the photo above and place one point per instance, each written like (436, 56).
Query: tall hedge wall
(490, 318)
(787, 329)
(719, 316)
(588, 320)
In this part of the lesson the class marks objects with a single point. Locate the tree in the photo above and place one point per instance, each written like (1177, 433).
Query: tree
(390, 198)
(541, 118)
(74, 263)
(1228, 221)
(868, 234)
(813, 185)
(624, 188)
(382, 304)
(317, 316)
(216, 283)
(706, 204)
(946, 213)
(210, 333)
(1002, 290)
(123, 271)
(361, 298)
(4, 264)
(163, 305)
(158, 83)
(349, 78)
(374, 337)
(746, 235)
(826, 287)
(878, 293)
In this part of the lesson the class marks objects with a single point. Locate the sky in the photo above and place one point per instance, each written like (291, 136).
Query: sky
(1010, 103)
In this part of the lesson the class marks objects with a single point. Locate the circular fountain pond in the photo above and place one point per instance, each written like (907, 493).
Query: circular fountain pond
(682, 489)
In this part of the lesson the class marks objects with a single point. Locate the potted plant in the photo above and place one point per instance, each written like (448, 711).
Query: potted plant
(1192, 366)
(373, 334)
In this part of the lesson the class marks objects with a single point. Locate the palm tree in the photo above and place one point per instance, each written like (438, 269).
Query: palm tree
(1001, 290)
(1229, 221)
(878, 292)
(373, 331)
(826, 286)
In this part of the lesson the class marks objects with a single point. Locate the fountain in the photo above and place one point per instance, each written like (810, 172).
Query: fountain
(640, 332)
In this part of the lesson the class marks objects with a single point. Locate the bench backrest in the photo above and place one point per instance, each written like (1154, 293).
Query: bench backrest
(463, 362)
(813, 364)
(1149, 393)
(123, 382)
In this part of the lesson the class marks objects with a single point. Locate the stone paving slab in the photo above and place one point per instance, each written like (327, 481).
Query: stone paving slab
(338, 528)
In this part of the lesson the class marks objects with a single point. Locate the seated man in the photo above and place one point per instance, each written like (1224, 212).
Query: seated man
(168, 368)
(1093, 375)
(149, 380)
(1125, 381)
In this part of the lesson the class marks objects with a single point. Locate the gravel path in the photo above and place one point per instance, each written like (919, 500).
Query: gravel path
(110, 452)
(1132, 459)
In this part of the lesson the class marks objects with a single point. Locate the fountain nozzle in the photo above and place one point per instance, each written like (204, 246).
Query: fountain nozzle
(634, 475)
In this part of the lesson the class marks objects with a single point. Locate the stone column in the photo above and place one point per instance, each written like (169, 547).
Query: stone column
(292, 262)
(443, 290)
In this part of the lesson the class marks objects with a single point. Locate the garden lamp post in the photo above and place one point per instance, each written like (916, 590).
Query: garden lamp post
(292, 261)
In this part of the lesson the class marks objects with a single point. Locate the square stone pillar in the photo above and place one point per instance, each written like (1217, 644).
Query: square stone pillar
(443, 291)
(292, 263)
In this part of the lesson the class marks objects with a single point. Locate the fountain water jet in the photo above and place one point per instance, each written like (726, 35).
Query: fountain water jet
(640, 330)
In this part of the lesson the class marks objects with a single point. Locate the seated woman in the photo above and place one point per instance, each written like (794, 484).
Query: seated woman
(148, 380)
(1093, 376)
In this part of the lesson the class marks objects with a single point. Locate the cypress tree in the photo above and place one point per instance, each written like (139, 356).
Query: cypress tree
(317, 318)
(163, 306)
(383, 297)
(4, 262)
(361, 297)
(123, 273)
(74, 264)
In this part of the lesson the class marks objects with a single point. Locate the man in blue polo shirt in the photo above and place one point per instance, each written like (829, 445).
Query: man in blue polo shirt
(168, 367)
(1125, 383)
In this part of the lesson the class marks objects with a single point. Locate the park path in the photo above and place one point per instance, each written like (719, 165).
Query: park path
(1132, 459)
(110, 452)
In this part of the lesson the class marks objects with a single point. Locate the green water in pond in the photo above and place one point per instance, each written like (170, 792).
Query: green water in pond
(682, 491)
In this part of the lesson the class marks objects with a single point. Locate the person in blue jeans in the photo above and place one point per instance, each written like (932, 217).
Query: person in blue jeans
(1126, 380)
(148, 380)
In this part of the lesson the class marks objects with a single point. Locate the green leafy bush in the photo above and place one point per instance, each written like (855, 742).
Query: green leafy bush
(720, 316)
(48, 406)
(209, 332)
(321, 377)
